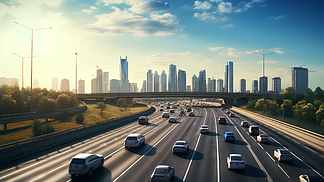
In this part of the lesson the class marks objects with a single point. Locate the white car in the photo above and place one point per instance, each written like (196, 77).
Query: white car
(84, 164)
(204, 129)
(244, 124)
(172, 119)
(262, 138)
(134, 140)
(283, 155)
(165, 115)
(235, 161)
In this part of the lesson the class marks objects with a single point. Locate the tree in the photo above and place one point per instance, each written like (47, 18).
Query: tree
(36, 127)
(47, 129)
(309, 95)
(7, 104)
(63, 101)
(308, 113)
(102, 106)
(319, 93)
(298, 109)
(121, 102)
(287, 106)
(273, 108)
(130, 101)
(259, 106)
(79, 118)
(251, 104)
(322, 123)
(47, 104)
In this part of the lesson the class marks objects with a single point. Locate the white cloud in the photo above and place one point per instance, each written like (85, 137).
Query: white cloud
(217, 1)
(225, 7)
(92, 7)
(202, 5)
(87, 11)
(120, 22)
(228, 26)
(269, 61)
(210, 16)
(277, 17)
(129, 2)
(3, 9)
(277, 50)
(215, 48)
(145, 7)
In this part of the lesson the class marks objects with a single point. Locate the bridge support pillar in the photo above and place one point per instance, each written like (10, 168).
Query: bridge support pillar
(235, 101)
(5, 127)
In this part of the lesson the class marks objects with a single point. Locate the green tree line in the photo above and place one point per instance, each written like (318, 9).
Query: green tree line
(307, 107)
(15, 100)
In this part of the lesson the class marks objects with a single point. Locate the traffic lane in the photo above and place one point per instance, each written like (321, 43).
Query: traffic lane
(298, 166)
(252, 171)
(48, 164)
(187, 130)
(203, 167)
(288, 172)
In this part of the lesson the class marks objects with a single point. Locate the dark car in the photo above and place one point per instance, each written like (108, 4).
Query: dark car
(162, 173)
(221, 120)
(142, 120)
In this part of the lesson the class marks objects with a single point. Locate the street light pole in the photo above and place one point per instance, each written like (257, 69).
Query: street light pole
(76, 73)
(263, 72)
(22, 68)
(31, 61)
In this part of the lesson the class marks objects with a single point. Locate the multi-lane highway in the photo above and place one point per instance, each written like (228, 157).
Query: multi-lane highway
(205, 160)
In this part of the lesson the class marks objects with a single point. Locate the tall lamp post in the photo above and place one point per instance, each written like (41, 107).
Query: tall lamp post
(22, 68)
(76, 73)
(263, 72)
(31, 61)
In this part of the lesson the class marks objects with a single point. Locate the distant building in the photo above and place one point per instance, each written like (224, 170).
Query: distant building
(163, 81)
(105, 82)
(35, 83)
(55, 84)
(182, 81)
(255, 86)
(156, 82)
(14, 82)
(65, 85)
(195, 86)
(133, 87)
(94, 86)
(220, 87)
(229, 77)
(4, 81)
(276, 85)
(299, 77)
(211, 85)
(172, 81)
(263, 82)
(114, 86)
(99, 81)
(81, 86)
(143, 89)
(124, 82)
(202, 81)
(243, 85)
(188, 88)
(149, 81)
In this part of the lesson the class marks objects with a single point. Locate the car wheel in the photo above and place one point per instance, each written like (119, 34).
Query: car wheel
(102, 163)
(90, 172)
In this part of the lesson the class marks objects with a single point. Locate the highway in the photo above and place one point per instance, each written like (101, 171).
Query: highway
(205, 160)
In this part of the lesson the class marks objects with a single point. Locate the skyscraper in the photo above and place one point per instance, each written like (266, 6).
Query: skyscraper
(4, 81)
(242, 85)
(263, 82)
(81, 86)
(114, 86)
(276, 84)
(299, 77)
(15, 82)
(182, 81)
(229, 76)
(133, 87)
(255, 86)
(163, 81)
(209, 85)
(99, 81)
(124, 82)
(143, 89)
(202, 81)
(65, 85)
(55, 84)
(188, 88)
(172, 81)
(220, 87)
(94, 85)
(195, 85)
(105, 82)
(149, 81)
(156, 82)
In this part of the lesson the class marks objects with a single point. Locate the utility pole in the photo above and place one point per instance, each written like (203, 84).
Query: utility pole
(263, 73)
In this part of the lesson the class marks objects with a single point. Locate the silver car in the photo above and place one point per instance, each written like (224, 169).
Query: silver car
(172, 120)
(204, 129)
(134, 140)
(84, 164)
(283, 155)
(180, 147)
(235, 161)
(162, 173)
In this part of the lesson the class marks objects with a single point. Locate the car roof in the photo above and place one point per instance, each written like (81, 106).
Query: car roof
(133, 135)
(221, 116)
(162, 167)
(253, 126)
(142, 117)
(204, 125)
(229, 132)
(173, 117)
(165, 112)
(82, 156)
(244, 121)
(235, 155)
(180, 141)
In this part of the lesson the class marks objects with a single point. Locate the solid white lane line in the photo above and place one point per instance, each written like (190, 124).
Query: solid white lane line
(270, 156)
(284, 172)
(146, 152)
(253, 154)
(193, 154)
(217, 150)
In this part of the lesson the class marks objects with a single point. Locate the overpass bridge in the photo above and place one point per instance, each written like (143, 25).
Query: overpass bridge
(229, 98)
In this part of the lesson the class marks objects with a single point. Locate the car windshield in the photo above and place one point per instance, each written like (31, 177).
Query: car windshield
(180, 143)
(284, 152)
(265, 136)
(78, 161)
(160, 171)
(204, 126)
(237, 158)
(230, 133)
(131, 138)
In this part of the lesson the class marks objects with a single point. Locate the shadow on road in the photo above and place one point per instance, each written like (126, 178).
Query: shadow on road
(142, 150)
(100, 174)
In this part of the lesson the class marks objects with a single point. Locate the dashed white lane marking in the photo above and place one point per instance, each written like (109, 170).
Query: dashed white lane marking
(270, 156)
(284, 172)
(260, 146)
(310, 149)
(295, 141)
(193, 154)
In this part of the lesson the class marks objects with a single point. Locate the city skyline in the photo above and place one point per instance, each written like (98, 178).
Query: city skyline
(185, 34)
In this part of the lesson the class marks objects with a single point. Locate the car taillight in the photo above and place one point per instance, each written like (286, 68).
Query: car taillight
(152, 177)
(84, 166)
(125, 141)
(174, 147)
(231, 162)
(184, 147)
(70, 165)
(136, 141)
(165, 177)
(242, 162)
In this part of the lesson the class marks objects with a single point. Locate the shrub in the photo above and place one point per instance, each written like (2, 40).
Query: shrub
(322, 123)
(37, 128)
(63, 114)
(79, 118)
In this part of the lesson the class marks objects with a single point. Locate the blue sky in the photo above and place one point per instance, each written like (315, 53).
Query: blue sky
(194, 35)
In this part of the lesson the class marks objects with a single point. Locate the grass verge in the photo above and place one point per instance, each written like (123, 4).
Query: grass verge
(23, 130)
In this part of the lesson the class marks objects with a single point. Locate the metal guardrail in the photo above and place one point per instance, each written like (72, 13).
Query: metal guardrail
(13, 144)
(284, 123)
